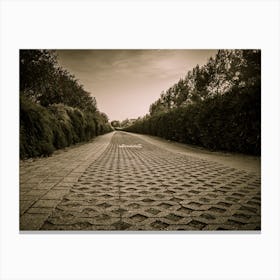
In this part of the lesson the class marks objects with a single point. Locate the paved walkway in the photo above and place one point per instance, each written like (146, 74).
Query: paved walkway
(123, 181)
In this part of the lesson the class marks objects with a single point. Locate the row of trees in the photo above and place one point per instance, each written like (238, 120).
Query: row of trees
(43, 81)
(122, 124)
(217, 105)
(230, 69)
(55, 110)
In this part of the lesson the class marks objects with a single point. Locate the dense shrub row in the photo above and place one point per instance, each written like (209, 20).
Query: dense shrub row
(55, 110)
(224, 122)
(44, 129)
(216, 105)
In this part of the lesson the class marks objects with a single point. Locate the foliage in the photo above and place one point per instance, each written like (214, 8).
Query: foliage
(115, 124)
(217, 106)
(229, 69)
(36, 134)
(45, 82)
(42, 130)
(55, 110)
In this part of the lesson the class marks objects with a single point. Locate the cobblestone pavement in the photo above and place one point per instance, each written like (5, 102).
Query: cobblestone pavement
(122, 182)
(44, 181)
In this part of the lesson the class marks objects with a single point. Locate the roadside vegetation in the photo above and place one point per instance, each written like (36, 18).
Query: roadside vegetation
(217, 105)
(55, 110)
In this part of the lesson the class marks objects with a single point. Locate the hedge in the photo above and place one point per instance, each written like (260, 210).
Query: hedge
(230, 122)
(42, 130)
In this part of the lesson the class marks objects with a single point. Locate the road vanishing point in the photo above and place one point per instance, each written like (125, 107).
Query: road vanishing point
(125, 181)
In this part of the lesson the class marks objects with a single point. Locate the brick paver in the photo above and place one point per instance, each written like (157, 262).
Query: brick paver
(131, 184)
(45, 181)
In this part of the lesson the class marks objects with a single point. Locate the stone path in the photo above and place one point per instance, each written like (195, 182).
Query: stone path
(45, 181)
(122, 182)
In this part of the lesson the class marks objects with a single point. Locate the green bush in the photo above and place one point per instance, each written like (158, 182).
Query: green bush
(78, 124)
(36, 134)
(90, 128)
(230, 122)
(42, 130)
(63, 129)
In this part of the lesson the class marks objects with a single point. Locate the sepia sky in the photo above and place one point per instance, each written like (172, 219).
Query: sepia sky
(126, 82)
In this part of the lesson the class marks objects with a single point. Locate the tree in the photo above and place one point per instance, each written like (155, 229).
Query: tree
(115, 124)
(37, 70)
(45, 82)
(217, 105)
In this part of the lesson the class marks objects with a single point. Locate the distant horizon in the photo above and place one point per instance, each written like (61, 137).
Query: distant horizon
(126, 82)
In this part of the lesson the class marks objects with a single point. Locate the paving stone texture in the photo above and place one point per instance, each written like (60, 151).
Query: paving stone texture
(122, 182)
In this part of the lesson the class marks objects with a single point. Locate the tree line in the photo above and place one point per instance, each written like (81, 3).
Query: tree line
(216, 105)
(55, 110)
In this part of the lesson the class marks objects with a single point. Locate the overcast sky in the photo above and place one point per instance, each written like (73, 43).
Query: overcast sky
(126, 82)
